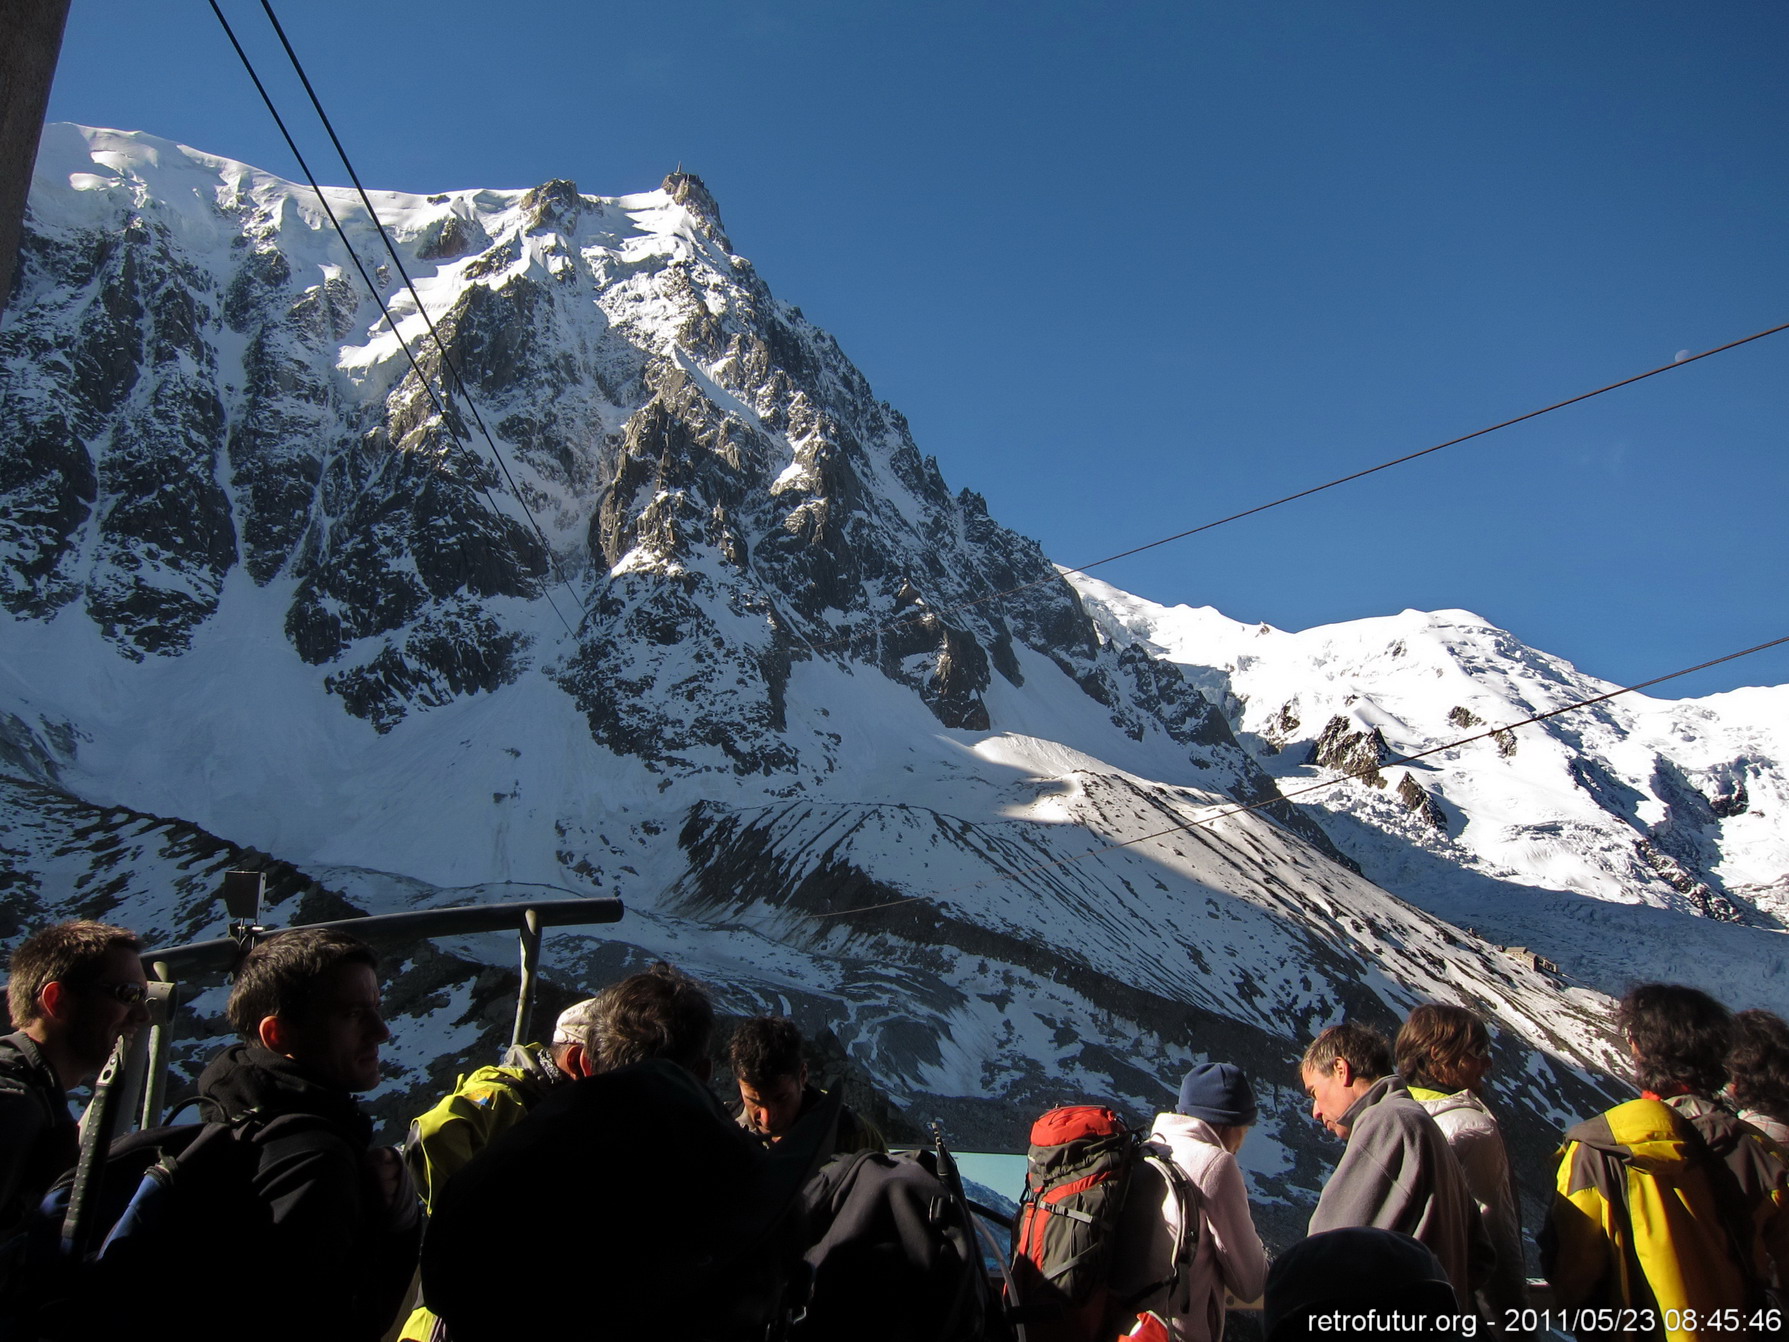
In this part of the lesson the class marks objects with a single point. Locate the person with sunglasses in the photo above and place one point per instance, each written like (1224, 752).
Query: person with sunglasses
(74, 989)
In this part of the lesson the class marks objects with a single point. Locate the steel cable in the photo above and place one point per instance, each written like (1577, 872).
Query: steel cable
(372, 288)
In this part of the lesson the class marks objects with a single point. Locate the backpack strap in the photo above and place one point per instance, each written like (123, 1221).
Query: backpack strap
(1192, 1223)
(1190, 1227)
(78, 1225)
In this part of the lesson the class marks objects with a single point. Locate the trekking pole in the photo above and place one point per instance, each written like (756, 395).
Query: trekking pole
(97, 1126)
(952, 1178)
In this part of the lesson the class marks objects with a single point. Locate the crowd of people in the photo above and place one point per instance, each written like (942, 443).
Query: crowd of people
(601, 1171)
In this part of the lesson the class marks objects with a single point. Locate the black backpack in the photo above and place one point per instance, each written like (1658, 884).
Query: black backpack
(894, 1254)
(169, 1206)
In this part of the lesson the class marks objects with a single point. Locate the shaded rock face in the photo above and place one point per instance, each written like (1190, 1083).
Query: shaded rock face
(1348, 749)
(1420, 804)
(696, 478)
(110, 466)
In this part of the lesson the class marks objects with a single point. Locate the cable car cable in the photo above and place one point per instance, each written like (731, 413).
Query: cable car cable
(391, 249)
(372, 288)
(1061, 573)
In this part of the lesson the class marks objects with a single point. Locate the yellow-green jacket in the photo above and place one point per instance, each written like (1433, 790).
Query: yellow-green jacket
(1636, 1221)
(480, 1108)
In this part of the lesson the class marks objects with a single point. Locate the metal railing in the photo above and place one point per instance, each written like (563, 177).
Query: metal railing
(136, 1075)
(142, 1082)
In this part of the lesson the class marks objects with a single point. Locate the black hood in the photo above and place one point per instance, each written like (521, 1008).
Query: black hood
(247, 1077)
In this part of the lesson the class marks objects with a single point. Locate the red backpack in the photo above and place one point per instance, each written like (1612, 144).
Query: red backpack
(1081, 1159)
(1081, 1163)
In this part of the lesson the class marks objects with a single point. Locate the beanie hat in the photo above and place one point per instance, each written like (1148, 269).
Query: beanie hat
(1219, 1093)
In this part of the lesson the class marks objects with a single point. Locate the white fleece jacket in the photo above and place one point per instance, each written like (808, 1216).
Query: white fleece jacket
(1474, 1137)
(1227, 1255)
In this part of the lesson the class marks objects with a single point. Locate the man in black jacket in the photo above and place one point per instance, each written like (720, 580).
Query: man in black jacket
(774, 1090)
(663, 1217)
(652, 1213)
(74, 989)
(342, 1225)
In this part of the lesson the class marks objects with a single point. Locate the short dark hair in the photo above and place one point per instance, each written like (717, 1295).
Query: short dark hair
(1680, 1035)
(660, 1013)
(63, 953)
(1436, 1040)
(1366, 1051)
(279, 976)
(765, 1049)
(1759, 1063)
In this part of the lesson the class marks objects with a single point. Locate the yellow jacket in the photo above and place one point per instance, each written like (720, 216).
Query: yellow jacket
(1636, 1221)
(481, 1107)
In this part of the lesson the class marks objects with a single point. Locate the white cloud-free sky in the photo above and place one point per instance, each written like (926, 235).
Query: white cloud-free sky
(1131, 268)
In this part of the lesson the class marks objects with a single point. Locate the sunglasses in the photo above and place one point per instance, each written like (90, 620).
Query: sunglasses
(126, 994)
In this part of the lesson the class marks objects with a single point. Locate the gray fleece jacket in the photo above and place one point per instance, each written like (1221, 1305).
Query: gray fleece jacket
(1398, 1174)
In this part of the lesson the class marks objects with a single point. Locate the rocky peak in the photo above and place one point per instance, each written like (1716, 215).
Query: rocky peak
(689, 191)
(552, 206)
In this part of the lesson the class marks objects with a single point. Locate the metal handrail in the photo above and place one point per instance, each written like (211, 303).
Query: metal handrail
(220, 955)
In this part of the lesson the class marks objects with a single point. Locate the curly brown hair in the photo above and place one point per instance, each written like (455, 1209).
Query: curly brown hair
(1680, 1038)
(1759, 1063)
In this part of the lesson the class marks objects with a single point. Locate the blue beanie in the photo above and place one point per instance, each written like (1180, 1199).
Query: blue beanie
(1219, 1093)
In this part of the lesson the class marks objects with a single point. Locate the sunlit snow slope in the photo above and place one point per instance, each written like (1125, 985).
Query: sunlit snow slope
(1616, 840)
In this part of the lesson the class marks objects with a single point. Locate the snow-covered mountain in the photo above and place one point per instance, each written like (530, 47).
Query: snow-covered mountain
(268, 599)
(1586, 836)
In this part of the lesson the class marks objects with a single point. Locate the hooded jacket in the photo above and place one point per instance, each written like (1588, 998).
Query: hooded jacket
(1227, 1253)
(1773, 1128)
(1398, 1174)
(39, 1139)
(1637, 1221)
(1477, 1143)
(344, 1254)
(489, 1101)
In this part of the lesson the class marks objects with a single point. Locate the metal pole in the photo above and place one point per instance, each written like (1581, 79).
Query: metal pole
(128, 1088)
(163, 998)
(220, 956)
(530, 939)
(30, 41)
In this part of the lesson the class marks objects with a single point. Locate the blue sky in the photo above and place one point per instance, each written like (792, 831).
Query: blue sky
(1130, 268)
